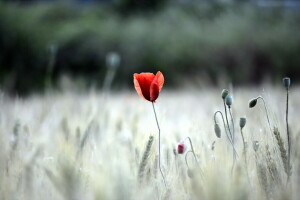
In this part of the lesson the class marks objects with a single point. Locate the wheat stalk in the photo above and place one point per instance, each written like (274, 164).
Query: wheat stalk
(145, 157)
(283, 153)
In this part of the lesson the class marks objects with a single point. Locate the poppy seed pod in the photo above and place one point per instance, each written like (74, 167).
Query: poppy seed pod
(113, 60)
(224, 93)
(286, 82)
(229, 100)
(190, 173)
(181, 148)
(52, 48)
(252, 103)
(217, 130)
(255, 145)
(243, 122)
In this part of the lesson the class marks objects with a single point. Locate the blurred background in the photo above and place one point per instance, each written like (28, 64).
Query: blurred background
(193, 42)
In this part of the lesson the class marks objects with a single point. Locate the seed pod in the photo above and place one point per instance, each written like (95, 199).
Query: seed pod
(252, 103)
(255, 145)
(286, 82)
(242, 122)
(229, 100)
(217, 130)
(181, 148)
(224, 93)
(190, 173)
(113, 60)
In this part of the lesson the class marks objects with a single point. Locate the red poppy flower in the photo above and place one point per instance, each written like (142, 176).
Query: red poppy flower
(181, 148)
(148, 85)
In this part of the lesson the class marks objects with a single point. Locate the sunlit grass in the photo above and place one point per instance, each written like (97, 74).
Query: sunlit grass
(75, 145)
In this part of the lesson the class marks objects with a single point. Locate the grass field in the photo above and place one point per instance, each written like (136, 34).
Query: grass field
(81, 146)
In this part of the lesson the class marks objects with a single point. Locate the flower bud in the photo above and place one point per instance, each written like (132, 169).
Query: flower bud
(229, 100)
(252, 103)
(286, 82)
(243, 122)
(224, 93)
(181, 148)
(255, 145)
(217, 130)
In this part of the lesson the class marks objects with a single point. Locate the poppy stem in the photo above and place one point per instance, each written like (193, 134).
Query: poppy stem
(186, 162)
(159, 146)
(229, 138)
(288, 133)
(233, 137)
(245, 153)
(192, 149)
(268, 119)
(267, 114)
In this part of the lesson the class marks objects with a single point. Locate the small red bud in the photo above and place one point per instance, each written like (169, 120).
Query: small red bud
(181, 148)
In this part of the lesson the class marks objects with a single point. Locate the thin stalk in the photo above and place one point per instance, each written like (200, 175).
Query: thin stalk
(186, 162)
(287, 131)
(266, 110)
(159, 146)
(225, 109)
(267, 114)
(232, 122)
(215, 118)
(192, 149)
(244, 143)
(109, 77)
(233, 151)
(245, 154)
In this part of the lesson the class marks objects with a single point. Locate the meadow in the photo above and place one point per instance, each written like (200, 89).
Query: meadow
(87, 145)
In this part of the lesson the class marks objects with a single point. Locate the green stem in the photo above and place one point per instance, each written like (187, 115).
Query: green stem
(245, 154)
(192, 149)
(159, 146)
(266, 110)
(233, 152)
(288, 132)
(233, 135)
(215, 118)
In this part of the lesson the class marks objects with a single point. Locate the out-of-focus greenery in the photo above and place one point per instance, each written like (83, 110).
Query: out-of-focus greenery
(241, 42)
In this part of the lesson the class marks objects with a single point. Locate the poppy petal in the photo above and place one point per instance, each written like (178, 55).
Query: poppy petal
(137, 86)
(154, 90)
(142, 83)
(160, 80)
